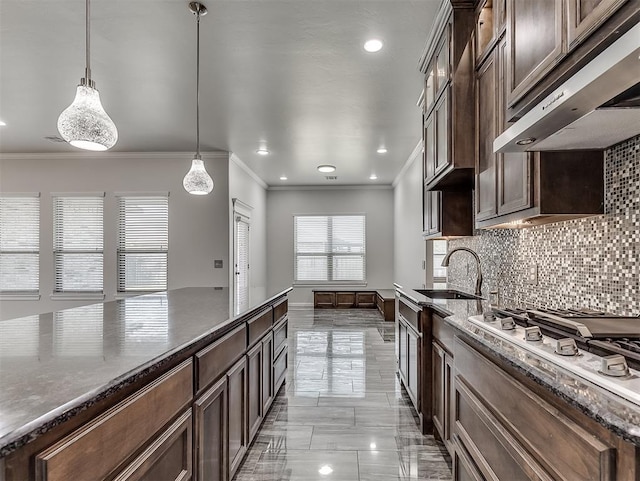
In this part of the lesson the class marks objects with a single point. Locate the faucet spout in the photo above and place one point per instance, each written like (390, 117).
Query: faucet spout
(445, 263)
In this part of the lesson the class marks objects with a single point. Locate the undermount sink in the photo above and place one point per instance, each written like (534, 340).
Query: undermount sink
(445, 294)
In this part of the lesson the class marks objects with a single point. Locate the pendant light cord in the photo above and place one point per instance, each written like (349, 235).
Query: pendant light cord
(197, 84)
(87, 70)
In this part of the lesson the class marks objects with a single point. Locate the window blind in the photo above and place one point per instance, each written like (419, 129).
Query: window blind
(242, 264)
(143, 243)
(78, 243)
(329, 248)
(19, 244)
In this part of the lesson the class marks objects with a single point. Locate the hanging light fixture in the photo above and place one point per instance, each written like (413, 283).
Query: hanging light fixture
(84, 123)
(197, 181)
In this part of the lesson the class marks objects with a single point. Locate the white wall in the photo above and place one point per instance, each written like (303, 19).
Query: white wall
(375, 203)
(409, 247)
(247, 187)
(198, 231)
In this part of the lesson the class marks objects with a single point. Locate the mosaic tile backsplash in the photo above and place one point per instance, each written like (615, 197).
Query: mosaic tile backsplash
(592, 262)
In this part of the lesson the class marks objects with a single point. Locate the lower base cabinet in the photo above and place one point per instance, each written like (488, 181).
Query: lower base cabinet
(507, 427)
(254, 390)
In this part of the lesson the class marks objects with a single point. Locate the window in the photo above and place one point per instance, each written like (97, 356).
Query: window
(19, 244)
(329, 248)
(78, 243)
(439, 252)
(143, 242)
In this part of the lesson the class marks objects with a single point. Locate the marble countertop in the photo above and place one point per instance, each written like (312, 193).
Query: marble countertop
(54, 365)
(608, 409)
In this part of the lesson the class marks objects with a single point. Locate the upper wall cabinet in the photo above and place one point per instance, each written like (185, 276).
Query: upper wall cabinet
(448, 107)
(550, 40)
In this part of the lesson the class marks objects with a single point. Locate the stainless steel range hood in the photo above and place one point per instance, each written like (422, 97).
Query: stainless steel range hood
(594, 109)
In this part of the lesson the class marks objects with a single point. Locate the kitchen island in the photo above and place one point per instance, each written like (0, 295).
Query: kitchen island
(505, 413)
(118, 389)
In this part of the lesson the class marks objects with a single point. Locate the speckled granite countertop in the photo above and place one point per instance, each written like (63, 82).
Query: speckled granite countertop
(55, 365)
(608, 409)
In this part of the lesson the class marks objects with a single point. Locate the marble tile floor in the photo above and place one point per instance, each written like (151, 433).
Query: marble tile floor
(342, 416)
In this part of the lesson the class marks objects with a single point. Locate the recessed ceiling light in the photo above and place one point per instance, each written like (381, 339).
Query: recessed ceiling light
(326, 469)
(373, 45)
(373, 177)
(262, 152)
(382, 150)
(327, 168)
(2, 124)
(283, 177)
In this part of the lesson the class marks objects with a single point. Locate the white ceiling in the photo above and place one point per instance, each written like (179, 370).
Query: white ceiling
(289, 75)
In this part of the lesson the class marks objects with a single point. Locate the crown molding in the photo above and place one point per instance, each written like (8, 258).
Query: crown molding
(113, 155)
(236, 160)
(415, 154)
(331, 187)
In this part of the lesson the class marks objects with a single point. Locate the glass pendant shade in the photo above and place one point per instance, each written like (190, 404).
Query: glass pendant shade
(85, 124)
(197, 181)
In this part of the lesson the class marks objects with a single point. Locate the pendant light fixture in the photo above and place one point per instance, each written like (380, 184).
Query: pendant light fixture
(85, 124)
(197, 181)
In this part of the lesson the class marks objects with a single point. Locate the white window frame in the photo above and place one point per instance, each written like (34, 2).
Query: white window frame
(436, 261)
(121, 289)
(20, 250)
(329, 254)
(81, 294)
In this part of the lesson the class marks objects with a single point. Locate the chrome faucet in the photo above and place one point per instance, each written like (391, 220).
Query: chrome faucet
(445, 263)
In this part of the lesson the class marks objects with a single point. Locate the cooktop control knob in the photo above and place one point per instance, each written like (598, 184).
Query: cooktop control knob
(566, 347)
(615, 366)
(507, 324)
(489, 316)
(532, 334)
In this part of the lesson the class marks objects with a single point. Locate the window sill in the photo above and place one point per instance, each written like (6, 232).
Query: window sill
(19, 297)
(329, 284)
(77, 296)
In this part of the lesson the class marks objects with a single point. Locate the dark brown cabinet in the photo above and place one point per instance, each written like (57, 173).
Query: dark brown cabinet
(413, 347)
(448, 105)
(447, 213)
(535, 39)
(237, 414)
(587, 15)
(211, 422)
(267, 373)
(442, 375)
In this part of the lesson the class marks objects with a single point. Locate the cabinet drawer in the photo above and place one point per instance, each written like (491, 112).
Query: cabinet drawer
(561, 446)
(409, 315)
(497, 454)
(95, 450)
(214, 360)
(280, 310)
(167, 459)
(345, 300)
(280, 336)
(443, 333)
(324, 299)
(259, 325)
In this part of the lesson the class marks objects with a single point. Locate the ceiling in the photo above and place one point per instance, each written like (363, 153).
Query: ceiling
(287, 75)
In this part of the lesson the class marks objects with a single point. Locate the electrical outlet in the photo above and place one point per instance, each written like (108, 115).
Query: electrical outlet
(533, 275)
(217, 264)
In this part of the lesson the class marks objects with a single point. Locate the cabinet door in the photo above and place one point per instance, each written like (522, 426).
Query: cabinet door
(514, 179)
(237, 407)
(413, 363)
(443, 133)
(535, 38)
(587, 15)
(431, 212)
(429, 147)
(443, 62)
(168, 458)
(254, 390)
(402, 351)
(211, 433)
(486, 120)
(430, 87)
(267, 373)
(438, 393)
